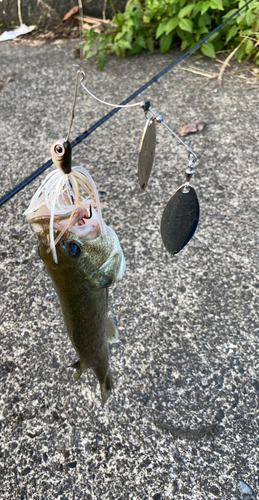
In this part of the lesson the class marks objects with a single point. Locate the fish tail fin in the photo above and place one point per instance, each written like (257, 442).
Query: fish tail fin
(106, 386)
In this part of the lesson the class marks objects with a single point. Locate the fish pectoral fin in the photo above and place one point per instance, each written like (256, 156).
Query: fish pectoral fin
(112, 332)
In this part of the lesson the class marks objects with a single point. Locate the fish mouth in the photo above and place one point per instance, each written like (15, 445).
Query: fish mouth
(85, 223)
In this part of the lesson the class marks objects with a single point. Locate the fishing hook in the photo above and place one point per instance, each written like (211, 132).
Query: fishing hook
(90, 212)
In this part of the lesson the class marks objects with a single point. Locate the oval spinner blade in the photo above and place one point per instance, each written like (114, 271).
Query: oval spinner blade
(180, 219)
(146, 153)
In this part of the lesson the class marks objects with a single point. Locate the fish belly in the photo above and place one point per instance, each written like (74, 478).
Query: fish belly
(84, 311)
(85, 317)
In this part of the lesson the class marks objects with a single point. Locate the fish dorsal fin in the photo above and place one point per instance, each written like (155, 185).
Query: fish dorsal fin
(112, 332)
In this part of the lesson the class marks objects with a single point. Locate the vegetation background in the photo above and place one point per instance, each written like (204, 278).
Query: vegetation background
(151, 24)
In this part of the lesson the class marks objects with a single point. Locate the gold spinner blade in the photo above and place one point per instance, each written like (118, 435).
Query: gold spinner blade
(147, 152)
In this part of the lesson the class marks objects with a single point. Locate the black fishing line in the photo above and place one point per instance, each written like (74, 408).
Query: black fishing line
(87, 132)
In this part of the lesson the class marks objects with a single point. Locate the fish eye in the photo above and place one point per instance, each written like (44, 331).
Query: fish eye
(74, 249)
(58, 149)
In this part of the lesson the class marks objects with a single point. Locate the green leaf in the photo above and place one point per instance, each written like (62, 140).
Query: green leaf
(250, 17)
(186, 25)
(205, 7)
(201, 31)
(119, 52)
(171, 25)
(208, 50)
(141, 41)
(118, 36)
(162, 27)
(150, 44)
(204, 20)
(123, 44)
(108, 38)
(228, 14)
(87, 46)
(137, 16)
(155, 4)
(249, 46)
(102, 45)
(232, 32)
(128, 24)
(135, 48)
(120, 18)
(218, 45)
(240, 18)
(241, 52)
(165, 43)
(147, 16)
(146, 19)
(197, 8)
(181, 33)
(214, 37)
(172, 9)
(129, 35)
(185, 11)
(91, 53)
(216, 4)
(101, 60)
(184, 44)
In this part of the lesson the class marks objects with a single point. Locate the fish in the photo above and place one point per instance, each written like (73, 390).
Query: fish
(88, 259)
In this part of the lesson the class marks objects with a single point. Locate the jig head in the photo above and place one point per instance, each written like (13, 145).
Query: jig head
(61, 153)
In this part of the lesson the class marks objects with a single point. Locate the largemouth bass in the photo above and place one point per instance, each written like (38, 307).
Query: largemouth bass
(88, 260)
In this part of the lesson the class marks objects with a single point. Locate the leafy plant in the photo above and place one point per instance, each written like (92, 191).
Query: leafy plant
(149, 24)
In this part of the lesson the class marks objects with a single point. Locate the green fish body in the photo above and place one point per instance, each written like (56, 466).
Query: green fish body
(87, 265)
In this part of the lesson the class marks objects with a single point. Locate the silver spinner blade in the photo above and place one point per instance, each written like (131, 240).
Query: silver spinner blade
(147, 152)
(180, 219)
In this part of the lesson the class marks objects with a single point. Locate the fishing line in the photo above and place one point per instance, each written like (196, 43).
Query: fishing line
(87, 132)
(81, 14)
(159, 119)
(108, 103)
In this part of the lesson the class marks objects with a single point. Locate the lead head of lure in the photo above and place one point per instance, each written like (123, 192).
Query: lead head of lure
(61, 153)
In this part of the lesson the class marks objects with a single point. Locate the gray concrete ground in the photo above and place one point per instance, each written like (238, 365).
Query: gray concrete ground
(188, 349)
